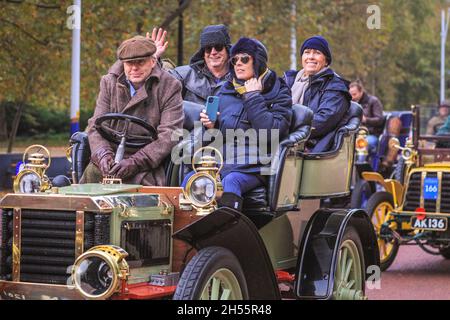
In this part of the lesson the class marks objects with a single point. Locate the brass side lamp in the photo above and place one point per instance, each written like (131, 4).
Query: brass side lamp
(201, 188)
(32, 178)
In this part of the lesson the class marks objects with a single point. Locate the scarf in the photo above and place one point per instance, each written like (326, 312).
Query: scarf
(301, 84)
(240, 88)
(299, 87)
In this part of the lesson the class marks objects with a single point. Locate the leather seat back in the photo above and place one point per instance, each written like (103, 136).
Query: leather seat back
(350, 123)
(265, 198)
(81, 154)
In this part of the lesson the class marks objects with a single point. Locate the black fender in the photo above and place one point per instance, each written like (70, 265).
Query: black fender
(232, 230)
(361, 167)
(319, 250)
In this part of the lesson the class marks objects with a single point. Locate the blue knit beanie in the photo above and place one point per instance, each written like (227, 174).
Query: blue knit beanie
(253, 48)
(318, 43)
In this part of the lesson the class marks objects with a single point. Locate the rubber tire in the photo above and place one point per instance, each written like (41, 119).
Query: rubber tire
(374, 201)
(445, 252)
(360, 188)
(399, 172)
(351, 234)
(202, 266)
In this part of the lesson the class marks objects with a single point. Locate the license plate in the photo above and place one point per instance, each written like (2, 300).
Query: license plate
(429, 223)
(430, 188)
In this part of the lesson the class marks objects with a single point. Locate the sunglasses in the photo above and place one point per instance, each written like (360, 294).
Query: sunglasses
(244, 59)
(217, 47)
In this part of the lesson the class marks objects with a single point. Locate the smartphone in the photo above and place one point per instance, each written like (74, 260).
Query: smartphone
(212, 107)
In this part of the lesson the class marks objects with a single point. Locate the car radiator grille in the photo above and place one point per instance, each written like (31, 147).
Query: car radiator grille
(413, 194)
(148, 243)
(5, 252)
(48, 243)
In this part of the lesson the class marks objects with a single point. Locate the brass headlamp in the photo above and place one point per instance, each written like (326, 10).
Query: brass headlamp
(201, 188)
(100, 272)
(32, 178)
(408, 152)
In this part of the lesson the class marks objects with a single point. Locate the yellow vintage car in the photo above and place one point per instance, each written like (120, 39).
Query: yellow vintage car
(415, 209)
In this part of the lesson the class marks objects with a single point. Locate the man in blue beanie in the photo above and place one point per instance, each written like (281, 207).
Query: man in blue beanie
(208, 67)
(317, 86)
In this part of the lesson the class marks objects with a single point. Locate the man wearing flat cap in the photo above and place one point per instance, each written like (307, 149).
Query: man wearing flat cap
(208, 67)
(136, 85)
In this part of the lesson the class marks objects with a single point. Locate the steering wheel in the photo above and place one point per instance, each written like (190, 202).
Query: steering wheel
(117, 137)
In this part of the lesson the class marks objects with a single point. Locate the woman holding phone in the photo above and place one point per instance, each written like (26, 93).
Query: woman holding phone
(255, 107)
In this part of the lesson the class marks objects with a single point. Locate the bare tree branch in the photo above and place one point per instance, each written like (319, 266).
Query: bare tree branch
(38, 5)
(171, 17)
(48, 6)
(41, 42)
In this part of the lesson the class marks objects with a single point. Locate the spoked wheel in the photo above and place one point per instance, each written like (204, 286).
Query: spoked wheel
(222, 285)
(378, 207)
(214, 273)
(349, 275)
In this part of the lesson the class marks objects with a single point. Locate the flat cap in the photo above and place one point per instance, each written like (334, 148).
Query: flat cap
(136, 48)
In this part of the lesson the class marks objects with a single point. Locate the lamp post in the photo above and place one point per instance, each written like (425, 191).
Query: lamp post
(180, 35)
(444, 31)
(293, 54)
(75, 88)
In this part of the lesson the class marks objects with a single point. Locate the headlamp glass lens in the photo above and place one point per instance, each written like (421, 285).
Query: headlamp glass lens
(203, 190)
(94, 276)
(30, 182)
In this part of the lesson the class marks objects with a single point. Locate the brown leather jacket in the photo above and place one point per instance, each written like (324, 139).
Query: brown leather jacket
(373, 112)
(158, 102)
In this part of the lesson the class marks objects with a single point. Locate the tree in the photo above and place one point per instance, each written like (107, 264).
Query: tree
(399, 62)
(30, 38)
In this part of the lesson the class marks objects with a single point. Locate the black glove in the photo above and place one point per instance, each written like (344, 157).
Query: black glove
(124, 169)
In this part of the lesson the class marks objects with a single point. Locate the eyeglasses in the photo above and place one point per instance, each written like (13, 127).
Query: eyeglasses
(244, 59)
(217, 47)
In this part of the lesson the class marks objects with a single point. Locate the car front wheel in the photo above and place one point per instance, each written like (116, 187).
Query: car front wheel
(214, 273)
(379, 207)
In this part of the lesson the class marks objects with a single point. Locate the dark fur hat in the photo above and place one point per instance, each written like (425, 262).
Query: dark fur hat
(210, 36)
(253, 48)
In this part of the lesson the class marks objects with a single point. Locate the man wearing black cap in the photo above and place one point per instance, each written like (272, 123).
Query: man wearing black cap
(206, 72)
(136, 85)
(322, 90)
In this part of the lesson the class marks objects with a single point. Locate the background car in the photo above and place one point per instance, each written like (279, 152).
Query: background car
(368, 161)
(414, 209)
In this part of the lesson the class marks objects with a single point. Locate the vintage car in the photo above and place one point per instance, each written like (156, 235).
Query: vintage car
(118, 241)
(414, 209)
(367, 160)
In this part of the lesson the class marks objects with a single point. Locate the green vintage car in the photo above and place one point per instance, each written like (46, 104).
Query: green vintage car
(118, 241)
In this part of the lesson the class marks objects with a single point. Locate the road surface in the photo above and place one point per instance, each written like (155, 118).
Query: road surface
(414, 275)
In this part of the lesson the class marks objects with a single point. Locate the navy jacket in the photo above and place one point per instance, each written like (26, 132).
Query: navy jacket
(261, 111)
(328, 97)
